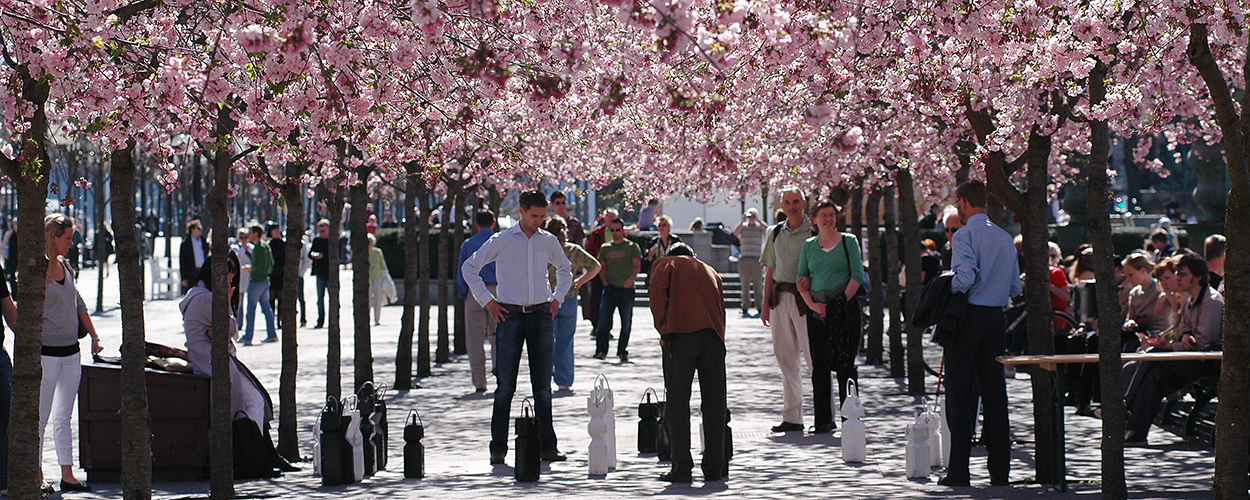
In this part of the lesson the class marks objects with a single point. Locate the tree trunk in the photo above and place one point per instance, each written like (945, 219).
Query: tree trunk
(857, 212)
(221, 445)
(443, 355)
(288, 423)
(898, 358)
(360, 280)
(1099, 225)
(29, 174)
(135, 420)
(403, 356)
(423, 284)
(1231, 454)
(334, 349)
(876, 299)
(460, 343)
(911, 259)
(101, 207)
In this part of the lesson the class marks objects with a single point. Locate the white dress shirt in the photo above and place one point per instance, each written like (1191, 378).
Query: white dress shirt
(520, 266)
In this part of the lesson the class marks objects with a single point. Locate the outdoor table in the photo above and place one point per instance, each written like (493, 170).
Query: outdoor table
(1052, 362)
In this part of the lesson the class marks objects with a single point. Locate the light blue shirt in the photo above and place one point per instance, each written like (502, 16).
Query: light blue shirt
(522, 272)
(985, 263)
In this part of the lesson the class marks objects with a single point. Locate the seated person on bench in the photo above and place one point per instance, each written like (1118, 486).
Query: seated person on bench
(1200, 326)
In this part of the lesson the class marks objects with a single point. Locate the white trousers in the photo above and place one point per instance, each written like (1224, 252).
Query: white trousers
(56, 399)
(789, 330)
(479, 329)
(246, 397)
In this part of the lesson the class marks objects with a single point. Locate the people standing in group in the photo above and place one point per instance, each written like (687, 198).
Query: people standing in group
(63, 313)
(379, 294)
(525, 308)
(986, 269)
(258, 286)
(687, 303)
(318, 251)
(750, 234)
(952, 225)
(560, 205)
(242, 249)
(831, 271)
(584, 268)
(782, 245)
(479, 325)
(305, 265)
(594, 242)
(103, 246)
(277, 248)
(191, 255)
(622, 261)
(660, 242)
(8, 311)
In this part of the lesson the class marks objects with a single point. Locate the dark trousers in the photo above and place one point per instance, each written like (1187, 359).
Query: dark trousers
(615, 298)
(591, 307)
(6, 390)
(701, 351)
(834, 344)
(1159, 380)
(323, 284)
(970, 364)
(533, 331)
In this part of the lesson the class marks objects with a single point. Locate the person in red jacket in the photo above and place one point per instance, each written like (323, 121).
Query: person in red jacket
(688, 304)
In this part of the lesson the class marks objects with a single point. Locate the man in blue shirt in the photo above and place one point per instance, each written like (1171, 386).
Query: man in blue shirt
(479, 326)
(986, 268)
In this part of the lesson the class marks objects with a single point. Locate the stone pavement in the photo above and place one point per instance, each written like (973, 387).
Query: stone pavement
(765, 465)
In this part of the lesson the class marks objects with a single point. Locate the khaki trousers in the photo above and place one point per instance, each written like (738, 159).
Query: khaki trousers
(790, 342)
(479, 327)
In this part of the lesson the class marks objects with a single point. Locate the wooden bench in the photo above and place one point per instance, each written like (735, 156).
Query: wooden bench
(1052, 362)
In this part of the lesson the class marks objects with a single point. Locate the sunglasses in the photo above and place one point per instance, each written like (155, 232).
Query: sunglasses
(618, 230)
(559, 203)
(949, 230)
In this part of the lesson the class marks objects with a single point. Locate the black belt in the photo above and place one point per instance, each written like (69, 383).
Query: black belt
(528, 309)
(59, 351)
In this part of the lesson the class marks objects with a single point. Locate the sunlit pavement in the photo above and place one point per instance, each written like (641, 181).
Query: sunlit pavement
(764, 465)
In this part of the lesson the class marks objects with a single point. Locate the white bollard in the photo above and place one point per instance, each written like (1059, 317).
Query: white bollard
(933, 421)
(598, 429)
(854, 435)
(357, 441)
(917, 450)
(317, 448)
(609, 399)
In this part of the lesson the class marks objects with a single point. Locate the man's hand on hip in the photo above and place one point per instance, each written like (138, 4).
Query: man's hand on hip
(554, 306)
(496, 310)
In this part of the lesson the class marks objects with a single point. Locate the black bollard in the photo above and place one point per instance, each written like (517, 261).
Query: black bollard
(528, 456)
(648, 421)
(381, 443)
(663, 449)
(414, 451)
(332, 430)
(365, 403)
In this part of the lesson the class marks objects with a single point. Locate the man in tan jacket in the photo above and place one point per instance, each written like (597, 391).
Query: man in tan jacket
(689, 309)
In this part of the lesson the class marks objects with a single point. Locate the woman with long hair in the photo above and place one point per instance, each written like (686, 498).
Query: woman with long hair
(64, 312)
(585, 268)
(831, 271)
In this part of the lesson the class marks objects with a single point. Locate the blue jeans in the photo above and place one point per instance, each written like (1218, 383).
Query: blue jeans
(614, 297)
(565, 327)
(258, 292)
(6, 391)
(534, 330)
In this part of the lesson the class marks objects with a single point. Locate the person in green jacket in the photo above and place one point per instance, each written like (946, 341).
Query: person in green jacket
(258, 285)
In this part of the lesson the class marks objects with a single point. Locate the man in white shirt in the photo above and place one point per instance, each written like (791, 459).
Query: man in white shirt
(524, 308)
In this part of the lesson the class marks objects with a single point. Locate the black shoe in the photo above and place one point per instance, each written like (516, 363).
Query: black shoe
(601, 355)
(822, 428)
(271, 340)
(316, 326)
(674, 477)
(496, 458)
(949, 481)
(1000, 482)
(554, 456)
(83, 487)
(1085, 411)
(46, 490)
(787, 427)
(624, 357)
(479, 390)
(1134, 438)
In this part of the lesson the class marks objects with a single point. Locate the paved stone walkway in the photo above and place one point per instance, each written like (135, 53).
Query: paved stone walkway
(765, 465)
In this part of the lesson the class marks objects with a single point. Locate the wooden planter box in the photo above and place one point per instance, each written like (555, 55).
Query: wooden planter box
(179, 407)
